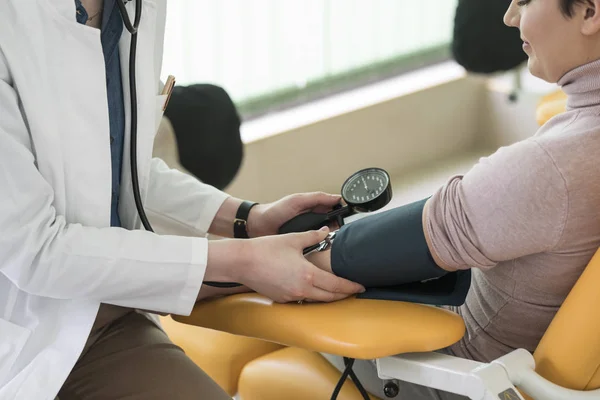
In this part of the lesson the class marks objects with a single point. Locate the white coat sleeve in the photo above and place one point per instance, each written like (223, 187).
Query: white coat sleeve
(179, 204)
(44, 255)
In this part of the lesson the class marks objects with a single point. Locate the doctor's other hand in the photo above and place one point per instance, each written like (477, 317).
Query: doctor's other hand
(275, 267)
(266, 219)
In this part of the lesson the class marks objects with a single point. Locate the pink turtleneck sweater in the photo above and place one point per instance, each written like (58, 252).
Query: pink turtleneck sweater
(527, 220)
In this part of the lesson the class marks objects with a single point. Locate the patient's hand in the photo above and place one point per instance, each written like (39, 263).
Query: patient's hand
(321, 259)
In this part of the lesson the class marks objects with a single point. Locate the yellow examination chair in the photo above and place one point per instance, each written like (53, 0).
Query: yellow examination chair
(400, 336)
(565, 366)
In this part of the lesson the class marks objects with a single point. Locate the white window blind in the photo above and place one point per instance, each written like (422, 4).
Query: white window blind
(258, 48)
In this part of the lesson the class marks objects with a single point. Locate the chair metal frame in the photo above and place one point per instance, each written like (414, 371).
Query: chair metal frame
(501, 379)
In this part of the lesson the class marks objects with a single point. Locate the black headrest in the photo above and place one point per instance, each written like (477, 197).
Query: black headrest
(481, 42)
(207, 128)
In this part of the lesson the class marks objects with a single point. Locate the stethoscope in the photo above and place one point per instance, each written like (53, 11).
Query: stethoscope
(133, 29)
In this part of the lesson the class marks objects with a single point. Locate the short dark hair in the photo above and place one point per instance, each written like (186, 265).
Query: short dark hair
(567, 6)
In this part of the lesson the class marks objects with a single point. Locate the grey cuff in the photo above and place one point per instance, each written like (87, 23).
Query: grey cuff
(385, 249)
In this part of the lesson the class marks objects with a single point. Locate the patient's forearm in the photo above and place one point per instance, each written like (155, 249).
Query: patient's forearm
(321, 259)
(207, 292)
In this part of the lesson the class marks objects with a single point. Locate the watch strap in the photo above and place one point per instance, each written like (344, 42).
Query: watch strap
(240, 224)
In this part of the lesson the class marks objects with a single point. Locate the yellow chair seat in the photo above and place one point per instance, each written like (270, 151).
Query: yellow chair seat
(356, 328)
(293, 374)
(221, 355)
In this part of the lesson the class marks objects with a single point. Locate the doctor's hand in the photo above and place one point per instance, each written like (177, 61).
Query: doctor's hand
(266, 219)
(275, 267)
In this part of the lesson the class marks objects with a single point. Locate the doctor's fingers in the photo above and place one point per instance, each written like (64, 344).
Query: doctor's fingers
(302, 240)
(316, 295)
(334, 284)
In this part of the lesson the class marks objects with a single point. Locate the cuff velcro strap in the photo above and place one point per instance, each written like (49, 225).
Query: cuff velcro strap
(449, 290)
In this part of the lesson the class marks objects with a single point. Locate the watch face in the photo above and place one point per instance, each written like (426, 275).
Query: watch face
(365, 186)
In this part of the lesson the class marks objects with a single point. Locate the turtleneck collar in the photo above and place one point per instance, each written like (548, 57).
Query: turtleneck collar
(582, 86)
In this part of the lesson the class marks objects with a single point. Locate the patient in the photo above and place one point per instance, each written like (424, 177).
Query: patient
(526, 219)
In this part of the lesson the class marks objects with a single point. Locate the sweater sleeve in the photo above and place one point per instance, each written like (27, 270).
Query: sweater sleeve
(509, 205)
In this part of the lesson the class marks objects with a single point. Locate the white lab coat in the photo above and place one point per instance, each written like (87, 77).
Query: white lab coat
(59, 259)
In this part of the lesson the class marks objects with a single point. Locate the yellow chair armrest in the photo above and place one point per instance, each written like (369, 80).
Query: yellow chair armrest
(356, 328)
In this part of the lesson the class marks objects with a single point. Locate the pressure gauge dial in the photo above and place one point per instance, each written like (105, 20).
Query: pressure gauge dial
(367, 190)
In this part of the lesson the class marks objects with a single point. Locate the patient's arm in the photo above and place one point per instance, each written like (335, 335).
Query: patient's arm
(321, 259)
(386, 249)
(511, 204)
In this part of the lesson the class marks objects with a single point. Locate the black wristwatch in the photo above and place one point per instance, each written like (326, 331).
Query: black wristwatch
(240, 223)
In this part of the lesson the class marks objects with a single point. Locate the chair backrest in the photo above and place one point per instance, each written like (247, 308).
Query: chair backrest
(550, 105)
(569, 352)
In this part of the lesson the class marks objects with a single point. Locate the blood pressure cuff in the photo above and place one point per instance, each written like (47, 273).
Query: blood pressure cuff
(388, 254)
(481, 43)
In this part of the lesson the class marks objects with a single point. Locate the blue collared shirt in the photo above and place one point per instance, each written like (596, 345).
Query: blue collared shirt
(112, 28)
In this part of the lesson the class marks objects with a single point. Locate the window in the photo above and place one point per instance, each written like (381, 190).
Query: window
(272, 53)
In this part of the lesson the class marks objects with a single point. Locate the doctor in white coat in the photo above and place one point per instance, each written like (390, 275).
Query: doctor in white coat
(62, 257)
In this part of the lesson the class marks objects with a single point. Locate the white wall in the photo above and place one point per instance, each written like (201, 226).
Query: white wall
(504, 121)
(459, 120)
(397, 135)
